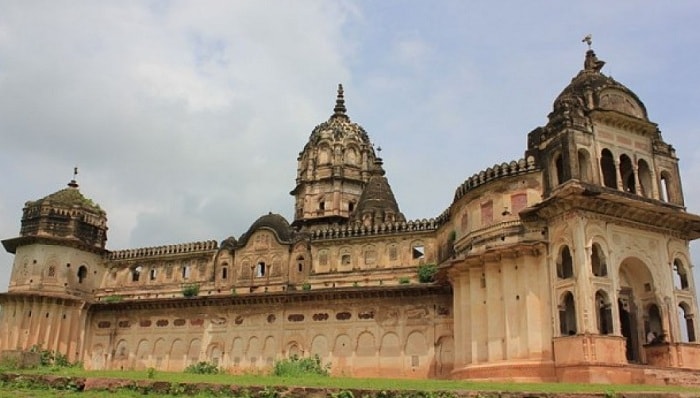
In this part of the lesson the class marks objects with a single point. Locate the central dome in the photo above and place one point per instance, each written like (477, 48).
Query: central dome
(338, 128)
(333, 168)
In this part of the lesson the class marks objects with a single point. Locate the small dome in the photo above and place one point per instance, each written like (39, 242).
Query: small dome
(591, 89)
(275, 222)
(338, 128)
(68, 197)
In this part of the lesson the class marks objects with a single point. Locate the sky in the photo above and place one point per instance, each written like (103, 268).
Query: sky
(185, 118)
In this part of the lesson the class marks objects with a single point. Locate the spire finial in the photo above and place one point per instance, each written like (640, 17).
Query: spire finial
(588, 40)
(73, 183)
(339, 109)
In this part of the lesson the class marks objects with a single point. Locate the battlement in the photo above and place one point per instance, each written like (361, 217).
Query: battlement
(495, 172)
(182, 248)
(351, 231)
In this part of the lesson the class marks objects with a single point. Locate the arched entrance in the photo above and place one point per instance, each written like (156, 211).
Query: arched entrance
(636, 293)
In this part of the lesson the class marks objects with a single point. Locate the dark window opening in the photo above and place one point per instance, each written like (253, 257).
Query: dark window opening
(644, 178)
(627, 174)
(607, 166)
(260, 270)
(567, 315)
(418, 252)
(136, 274)
(604, 314)
(224, 273)
(680, 275)
(559, 166)
(598, 265)
(82, 273)
(153, 274)
(565, 266)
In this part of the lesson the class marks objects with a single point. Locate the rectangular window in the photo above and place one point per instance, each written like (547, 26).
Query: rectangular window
(487, 213)
(517, 203)
(185, 271)
(260, 270)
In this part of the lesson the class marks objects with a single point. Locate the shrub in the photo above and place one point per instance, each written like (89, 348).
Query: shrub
(306, 286)
(426, 273)
(404, 280)
(191, 290)
(298, 367)
(202, 368)
(51, 358)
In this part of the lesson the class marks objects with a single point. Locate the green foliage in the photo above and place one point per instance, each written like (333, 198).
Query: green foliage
(151, 373)
(53, 359)
(306, 286)
(299, 367)
(202, 368)
(343, 394)
(426, 273)
(190, 290)
(404, 280)
(115, 298)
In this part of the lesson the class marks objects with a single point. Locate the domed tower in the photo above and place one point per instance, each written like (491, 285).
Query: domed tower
(60, 247)
(616, 229)
(599, 133)
(333, 169)
(58, 264)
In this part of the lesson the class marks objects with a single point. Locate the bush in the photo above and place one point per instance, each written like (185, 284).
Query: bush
(51, 358)
(299, 367)
(190, 290)
(202, 368)
(426, 273)
(306, 286)
(404, 280)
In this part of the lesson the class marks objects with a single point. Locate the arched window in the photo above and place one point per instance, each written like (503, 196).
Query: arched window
(565, 266)
(644, 178)
(665, 187)
(260, 269)
(604, 313)
(82, 273)
(584, 166)
(598, 265)
(627, 174)
(559, 170)
(653, 325)
(153, 274)
(567, 315)
(686, 322)
(607, 166)
(680, 275)
(136, 273)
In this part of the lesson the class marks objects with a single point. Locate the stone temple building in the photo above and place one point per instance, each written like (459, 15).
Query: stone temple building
(570, 264)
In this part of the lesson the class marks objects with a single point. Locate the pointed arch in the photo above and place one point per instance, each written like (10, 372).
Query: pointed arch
(627, 174)
(565, 266)
(604, 312)
(584, 166)
(567, 314)
(607, 168)
(645, 179)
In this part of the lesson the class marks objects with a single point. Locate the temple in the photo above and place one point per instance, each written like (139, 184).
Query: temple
(570, 264)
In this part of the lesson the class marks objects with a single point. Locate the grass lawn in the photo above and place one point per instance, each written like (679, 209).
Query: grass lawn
(329, 382)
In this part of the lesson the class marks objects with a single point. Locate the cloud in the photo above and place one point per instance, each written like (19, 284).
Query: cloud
(185, 118)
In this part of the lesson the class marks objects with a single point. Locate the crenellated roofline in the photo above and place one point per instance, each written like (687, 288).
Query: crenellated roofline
(181, 248)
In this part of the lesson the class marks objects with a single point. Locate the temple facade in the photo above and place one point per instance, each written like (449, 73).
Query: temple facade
(570, 264)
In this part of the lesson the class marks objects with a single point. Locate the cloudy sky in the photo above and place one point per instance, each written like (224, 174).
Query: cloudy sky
(185, 118)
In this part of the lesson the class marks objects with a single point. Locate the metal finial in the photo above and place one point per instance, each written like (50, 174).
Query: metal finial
(588, 40)
(339, 109)
(73, 183)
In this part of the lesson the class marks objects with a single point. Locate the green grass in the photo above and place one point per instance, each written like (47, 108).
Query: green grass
(356, 383)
